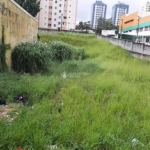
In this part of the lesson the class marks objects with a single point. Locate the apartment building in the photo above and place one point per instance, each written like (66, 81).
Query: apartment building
(98, 11)
(117, 11)
(58, 14)
(146, 7)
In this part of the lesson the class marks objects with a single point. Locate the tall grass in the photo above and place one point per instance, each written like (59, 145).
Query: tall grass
(31, 57)
(104, 109)
(38, 57)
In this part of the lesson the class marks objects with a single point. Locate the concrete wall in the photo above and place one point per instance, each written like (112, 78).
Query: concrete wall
(52, 31)
(19, 26)
(137, 49)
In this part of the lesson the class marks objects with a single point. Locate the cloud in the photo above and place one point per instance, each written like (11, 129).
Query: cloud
(85, 7)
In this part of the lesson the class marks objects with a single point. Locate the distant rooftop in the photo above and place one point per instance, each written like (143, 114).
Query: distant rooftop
(121, 2)
(140, 14)
(98, 2)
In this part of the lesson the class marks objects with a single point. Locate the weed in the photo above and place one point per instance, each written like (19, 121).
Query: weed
(106, 110)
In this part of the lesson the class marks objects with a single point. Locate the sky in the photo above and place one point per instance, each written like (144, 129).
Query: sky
(85, 8)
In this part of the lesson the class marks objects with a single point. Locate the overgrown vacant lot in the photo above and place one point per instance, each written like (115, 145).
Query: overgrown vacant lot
(99, 103)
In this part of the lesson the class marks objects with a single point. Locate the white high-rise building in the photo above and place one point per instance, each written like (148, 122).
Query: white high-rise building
(98, 11)
(58, 14)
(146, 7)
(117, 11)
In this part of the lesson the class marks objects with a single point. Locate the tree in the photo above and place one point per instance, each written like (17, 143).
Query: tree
(82, 26)
(77, 27)
(31, 6)
(104, 24)
(86, 26)
(100, 25)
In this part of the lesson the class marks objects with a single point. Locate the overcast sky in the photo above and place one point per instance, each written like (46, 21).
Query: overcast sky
(85, 7)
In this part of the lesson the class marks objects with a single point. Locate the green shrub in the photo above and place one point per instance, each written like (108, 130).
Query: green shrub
(36, 57)
(79, 53)
(62, 51)
(31, 57)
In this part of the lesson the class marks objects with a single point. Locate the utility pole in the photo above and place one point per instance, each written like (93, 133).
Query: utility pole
(121, 27)
(138, 27)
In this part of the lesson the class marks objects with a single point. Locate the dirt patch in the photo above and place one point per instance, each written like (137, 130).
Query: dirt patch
(6, 112)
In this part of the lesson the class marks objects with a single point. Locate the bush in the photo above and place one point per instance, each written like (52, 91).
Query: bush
(31, 57)
(79, 53)
(62, 51)
(36, 57)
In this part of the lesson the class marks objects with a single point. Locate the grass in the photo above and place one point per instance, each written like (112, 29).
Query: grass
(103, 104)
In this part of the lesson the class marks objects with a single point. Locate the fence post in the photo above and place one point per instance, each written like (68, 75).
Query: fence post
(143, 47)
(132, 46)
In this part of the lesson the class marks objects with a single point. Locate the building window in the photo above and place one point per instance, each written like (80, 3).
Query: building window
(49, 25)
(60, 11)
(141, 29)
(146, 28)
(54, 25)
(50, 7)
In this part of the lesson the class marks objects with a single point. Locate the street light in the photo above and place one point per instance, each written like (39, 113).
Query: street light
(138, 18)
(121, 28)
